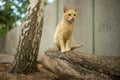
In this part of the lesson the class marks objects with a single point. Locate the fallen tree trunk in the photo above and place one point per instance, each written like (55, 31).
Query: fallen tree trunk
(76, 65)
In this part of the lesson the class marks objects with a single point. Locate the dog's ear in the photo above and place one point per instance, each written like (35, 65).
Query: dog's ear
(65, 9)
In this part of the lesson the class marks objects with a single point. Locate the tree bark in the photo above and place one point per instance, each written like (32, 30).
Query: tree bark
(26, 56)
(76, 65)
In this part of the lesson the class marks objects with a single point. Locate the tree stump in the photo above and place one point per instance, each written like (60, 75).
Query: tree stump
(75, 65)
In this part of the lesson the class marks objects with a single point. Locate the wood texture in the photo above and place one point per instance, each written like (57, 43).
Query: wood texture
(28, 47)
(76, 65)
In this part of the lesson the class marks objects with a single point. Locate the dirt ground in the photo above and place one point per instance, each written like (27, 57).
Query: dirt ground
(5, 65)
(42, 75)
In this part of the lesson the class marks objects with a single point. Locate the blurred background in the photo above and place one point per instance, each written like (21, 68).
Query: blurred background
(12, 13)
(97, 25)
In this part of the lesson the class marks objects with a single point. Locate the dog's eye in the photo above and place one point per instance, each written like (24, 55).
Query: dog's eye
(69, 14)
(74, 14)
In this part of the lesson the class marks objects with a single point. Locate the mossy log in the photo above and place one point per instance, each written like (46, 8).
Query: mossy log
(75, 65)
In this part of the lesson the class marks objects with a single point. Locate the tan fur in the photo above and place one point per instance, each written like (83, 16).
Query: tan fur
(64, 30)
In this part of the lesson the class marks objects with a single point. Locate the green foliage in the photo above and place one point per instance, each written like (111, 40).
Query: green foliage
(46, 2)
(2, 29)
(11, 12)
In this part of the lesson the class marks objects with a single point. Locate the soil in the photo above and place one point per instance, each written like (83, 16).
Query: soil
(5, 65)
(41, 75)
